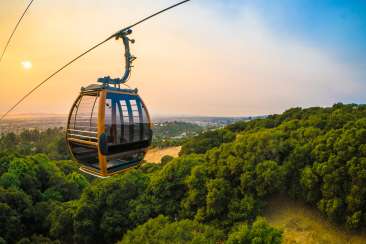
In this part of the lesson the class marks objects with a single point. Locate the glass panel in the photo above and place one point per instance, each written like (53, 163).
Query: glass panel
(147, 133)
(145, 119)
(84, 117)
(73, 114)
(82, 127)
(110, 120)
(117, 119)
(127, 130)
(125, 125)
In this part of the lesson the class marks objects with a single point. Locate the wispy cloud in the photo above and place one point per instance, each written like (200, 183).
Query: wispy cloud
(206, 58)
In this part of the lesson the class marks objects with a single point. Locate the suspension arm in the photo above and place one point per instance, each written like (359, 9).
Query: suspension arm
(129, 58)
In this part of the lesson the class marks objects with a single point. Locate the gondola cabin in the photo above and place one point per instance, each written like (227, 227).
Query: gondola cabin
(108, 130)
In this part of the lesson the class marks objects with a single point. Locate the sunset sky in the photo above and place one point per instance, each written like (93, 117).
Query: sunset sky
(207, 57)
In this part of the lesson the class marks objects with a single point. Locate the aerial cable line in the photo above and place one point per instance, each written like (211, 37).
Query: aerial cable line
(14, 30)
(86, 52)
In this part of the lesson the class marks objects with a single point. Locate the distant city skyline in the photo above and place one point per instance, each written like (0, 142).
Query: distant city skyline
(208, 57)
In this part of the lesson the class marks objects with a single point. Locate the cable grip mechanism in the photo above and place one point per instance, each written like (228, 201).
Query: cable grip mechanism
(129, 58)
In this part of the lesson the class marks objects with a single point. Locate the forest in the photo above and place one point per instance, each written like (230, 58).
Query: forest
(214, 192)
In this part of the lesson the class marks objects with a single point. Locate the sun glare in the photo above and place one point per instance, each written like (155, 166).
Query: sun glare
(26, 65)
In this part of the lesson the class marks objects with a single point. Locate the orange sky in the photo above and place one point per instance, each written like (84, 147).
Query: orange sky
(191, 61)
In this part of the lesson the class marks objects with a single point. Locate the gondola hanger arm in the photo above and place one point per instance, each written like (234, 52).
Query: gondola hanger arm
(129, 58)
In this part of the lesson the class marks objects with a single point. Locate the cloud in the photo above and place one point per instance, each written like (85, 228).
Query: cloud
(199, 59)
(239, 66)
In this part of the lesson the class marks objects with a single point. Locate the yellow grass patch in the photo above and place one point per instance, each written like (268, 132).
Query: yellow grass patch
(154, 155)
(303, 224)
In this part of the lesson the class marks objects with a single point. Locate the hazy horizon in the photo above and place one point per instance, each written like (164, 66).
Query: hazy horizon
(40, 114)
(205, 58)
(153, 115)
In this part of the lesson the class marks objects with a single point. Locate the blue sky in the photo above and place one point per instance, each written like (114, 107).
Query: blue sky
(336, 25)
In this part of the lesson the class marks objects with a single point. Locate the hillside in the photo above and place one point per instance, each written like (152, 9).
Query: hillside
(215, 191)
(173, 133)
(316, 154)
(304, 224)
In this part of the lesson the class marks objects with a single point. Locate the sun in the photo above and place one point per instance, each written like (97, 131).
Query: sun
(26, 64)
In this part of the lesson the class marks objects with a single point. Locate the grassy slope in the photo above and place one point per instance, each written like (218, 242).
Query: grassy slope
(154, 155)
(303, 224)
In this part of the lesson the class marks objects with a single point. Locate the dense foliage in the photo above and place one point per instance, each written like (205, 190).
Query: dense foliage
(162, 230)
(214, 192)
(30, 189)
(41, 202)
(30, 142)
(207, 140)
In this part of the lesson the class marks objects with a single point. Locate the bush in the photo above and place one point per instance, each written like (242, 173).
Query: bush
(162, 230)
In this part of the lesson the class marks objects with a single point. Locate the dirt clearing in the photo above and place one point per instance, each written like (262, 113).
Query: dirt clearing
(154, 155)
